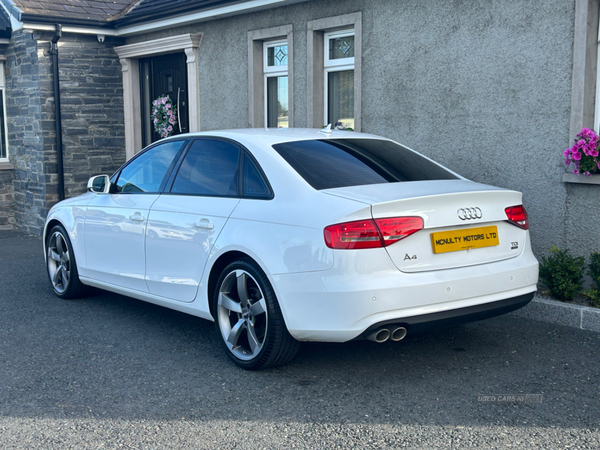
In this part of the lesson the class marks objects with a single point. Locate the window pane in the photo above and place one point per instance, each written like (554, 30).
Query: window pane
(147, 172)
(340, 102)
(342, 47)
(209, 168)
(277, 102)
(354, 162)
(277, 56)
(254, 185)
(3, 150)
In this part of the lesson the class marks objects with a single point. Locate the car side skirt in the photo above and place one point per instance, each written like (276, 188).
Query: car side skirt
(188, 308)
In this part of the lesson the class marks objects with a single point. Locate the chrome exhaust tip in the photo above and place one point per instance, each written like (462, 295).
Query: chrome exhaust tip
(397, 334)
(379, 336)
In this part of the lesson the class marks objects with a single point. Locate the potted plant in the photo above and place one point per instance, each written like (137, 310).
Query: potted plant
(584, 153)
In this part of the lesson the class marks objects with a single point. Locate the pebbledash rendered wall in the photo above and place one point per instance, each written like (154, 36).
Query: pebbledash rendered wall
(92, 121)
(482, 87)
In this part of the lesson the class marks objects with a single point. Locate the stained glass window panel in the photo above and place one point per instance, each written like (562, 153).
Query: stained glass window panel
(277, 55)
(341, 47)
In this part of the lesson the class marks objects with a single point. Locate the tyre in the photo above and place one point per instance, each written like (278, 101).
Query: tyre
(60, 262)
(248, 319)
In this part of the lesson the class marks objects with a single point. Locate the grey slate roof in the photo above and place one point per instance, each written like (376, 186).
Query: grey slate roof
(107, 11)
(95, 10)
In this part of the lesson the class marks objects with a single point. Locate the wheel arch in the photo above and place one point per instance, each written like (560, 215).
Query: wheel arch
(49, 225)
(215, 271)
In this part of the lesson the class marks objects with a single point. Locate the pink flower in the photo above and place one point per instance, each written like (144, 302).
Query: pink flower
(576, 155)
(170, 128)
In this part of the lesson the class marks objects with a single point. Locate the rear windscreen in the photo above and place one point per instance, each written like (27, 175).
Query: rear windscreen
(334, 163)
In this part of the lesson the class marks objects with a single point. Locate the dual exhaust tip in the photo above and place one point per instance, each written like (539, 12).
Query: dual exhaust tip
(393, 333)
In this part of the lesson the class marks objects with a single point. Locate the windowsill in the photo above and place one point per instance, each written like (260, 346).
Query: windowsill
(581, 179)
(6, 166)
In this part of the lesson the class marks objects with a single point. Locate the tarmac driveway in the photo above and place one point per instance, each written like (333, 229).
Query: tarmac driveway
(108, 371)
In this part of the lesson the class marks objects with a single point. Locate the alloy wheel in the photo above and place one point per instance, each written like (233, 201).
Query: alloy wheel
(242, 315)
(59, 262)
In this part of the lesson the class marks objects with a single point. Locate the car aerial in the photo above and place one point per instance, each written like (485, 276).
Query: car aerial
(288, 235)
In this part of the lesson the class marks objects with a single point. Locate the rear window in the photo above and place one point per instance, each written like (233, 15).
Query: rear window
(334, 163)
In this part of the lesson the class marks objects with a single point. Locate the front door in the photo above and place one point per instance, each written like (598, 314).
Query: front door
(164, 76)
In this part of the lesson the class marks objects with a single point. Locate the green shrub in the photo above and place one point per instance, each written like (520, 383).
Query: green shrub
(594, 273)
(562, 273)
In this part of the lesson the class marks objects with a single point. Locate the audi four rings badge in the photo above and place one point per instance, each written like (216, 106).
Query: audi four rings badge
(469, 213)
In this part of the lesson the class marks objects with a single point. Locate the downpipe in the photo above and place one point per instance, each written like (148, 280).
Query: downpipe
(57, 116)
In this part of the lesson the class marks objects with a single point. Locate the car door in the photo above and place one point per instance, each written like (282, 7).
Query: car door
(185, 222)
(115, 223)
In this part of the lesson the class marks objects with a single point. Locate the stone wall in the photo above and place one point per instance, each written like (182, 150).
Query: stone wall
(7, 205)
(91, 96)
(92, 121)
(25, 143)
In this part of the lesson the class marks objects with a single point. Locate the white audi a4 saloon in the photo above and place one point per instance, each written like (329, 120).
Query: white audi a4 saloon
(288, 235)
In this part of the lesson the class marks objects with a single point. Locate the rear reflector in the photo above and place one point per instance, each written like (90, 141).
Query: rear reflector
(371, 233)
(517, 216)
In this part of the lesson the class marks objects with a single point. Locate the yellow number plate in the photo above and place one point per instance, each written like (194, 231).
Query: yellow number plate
(452, 241)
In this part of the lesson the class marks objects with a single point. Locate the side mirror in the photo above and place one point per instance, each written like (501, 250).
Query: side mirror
(99, 184)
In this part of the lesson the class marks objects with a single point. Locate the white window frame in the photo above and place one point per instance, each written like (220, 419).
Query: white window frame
(334, 65)
(315, 68)
(256, 75)
(273, 71)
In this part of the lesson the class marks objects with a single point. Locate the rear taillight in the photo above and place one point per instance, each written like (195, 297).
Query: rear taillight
(517, 216)
(371, 233)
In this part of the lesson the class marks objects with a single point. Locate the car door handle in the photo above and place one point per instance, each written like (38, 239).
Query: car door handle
(136, 217)
(205, 225)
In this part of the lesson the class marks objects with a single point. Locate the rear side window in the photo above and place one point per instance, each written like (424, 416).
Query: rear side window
(255, 185)
(334, 163)
(211, 168)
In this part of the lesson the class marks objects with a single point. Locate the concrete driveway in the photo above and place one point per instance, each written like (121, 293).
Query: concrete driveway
(108, 371)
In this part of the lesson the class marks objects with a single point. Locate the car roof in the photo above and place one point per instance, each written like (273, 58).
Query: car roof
(271, 136)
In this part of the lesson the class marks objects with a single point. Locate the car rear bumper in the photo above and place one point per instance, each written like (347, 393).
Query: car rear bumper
(453, 317)
(355, 297)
